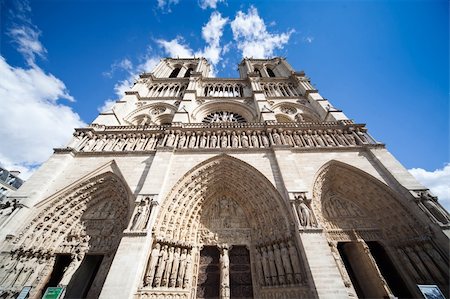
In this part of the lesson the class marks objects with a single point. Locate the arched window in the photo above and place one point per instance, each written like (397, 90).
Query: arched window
(188, 72)
(270, 72)
(175, 72)
(258, 72)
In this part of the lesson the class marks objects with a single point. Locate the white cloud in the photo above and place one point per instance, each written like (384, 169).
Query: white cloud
(212, 32)
(176, 47)
(165, 5)
(253, 39)
(125, 64)
(437, 181)
(27, 39)
(204, 4)
(107, 105)
(32, 119)
(147, 65)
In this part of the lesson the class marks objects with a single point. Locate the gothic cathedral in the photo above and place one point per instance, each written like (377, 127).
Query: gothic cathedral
(201, 187)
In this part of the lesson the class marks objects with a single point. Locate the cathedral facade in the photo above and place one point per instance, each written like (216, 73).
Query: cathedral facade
(200, 187)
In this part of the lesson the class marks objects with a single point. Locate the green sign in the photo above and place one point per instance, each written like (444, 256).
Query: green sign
(53, 293)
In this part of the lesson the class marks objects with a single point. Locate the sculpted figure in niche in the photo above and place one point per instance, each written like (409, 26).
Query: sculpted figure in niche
(174, 271)
(90, 144)
(188, 270)
(168, 270)
(151, 142)
(141, 215)
(265, 263)
(170, 139)
(431, 205)
(213, 140)
(141, 142)
(329, 139)
(308, 139)
(255, 141)
(286, 263)
(297, 139)
(279, 264)
(224, 140)
(350, 138)
(318, 139)
(163, 255)
(224, 273)
(234, 140)
(244, 140)
(192, 140)
(295, 261)
(152, 265)
(120, 143)
(265, 140)
(340, 138)
(362, 135)
(272, 266)
(182, 140)
(182, 268)
(203, 140)
(259, 269)
(276, 137)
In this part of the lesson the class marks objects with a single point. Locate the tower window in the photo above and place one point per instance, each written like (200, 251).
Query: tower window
(174, 73)
(270, 73)
(258, 72)
(188, 72)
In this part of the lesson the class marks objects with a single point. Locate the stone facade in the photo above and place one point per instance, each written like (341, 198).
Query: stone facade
(199, 187)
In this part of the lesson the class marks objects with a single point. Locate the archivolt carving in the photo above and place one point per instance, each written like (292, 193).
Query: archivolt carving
(180, 214)
(89, 218)
(347, 198)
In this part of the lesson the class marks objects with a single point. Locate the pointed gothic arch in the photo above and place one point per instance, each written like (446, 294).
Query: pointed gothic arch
(365, 220)
(84, 220)
(223, 202)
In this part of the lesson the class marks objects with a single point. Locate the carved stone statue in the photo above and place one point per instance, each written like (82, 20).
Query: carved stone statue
(170, 139)
(182, 268)
(279, 264)
(182, 140)
(192, 140)
(295, 261)
(152, 265)
(224, 273)
(213, 140)
(433, 208)
(234, 140)
(286, 263)
(265, 140)
(163, 255)
(276, 137)
(175, 266)
(244, 140)
(224, 140)
(203, 140)
(255, 141)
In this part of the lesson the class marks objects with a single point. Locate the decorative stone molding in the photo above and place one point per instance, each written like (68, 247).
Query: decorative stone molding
(233, 135)
(429, 204)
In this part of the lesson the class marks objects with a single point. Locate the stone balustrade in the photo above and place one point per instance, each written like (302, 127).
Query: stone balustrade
(279, 89)
(166, 90)
(223, 89)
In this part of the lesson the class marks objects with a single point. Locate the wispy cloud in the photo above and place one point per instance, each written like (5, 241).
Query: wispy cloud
(147, 64)
(33, 120)
(166, 5)
(212, 33)
(24, 33)
(204, 4)
(438, 182)
(252, 38)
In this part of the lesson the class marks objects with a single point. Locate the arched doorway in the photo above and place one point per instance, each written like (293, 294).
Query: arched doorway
(369, 227)
(224, 227)
(71, 240)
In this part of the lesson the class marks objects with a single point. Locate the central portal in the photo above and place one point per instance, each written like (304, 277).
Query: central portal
(224, 263)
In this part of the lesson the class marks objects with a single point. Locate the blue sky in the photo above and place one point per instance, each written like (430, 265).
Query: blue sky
(384, 63)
